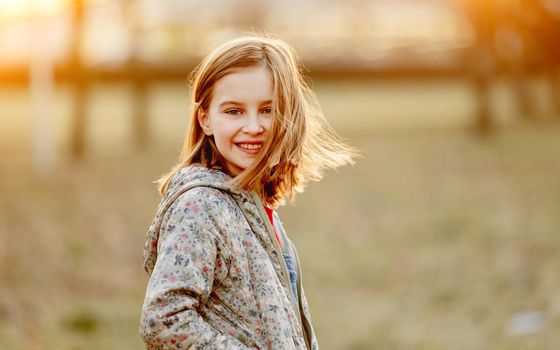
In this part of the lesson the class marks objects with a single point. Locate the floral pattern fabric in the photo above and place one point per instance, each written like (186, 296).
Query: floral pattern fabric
(216, 277)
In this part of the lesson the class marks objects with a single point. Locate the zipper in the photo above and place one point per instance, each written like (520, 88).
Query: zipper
(270, 231)
(300, 291)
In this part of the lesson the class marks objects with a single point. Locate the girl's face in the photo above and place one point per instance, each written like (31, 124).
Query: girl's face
(240, 115)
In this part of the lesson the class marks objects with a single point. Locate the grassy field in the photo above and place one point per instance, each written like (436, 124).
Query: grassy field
(437, 239)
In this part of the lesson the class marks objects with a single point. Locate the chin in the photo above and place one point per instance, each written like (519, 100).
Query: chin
(241, 165)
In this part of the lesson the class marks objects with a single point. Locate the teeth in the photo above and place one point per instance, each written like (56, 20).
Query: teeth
(249, 146)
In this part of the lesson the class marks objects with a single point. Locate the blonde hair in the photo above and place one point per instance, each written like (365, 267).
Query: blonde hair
(300, 145)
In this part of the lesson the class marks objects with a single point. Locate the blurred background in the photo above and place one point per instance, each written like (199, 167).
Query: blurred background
(445, 235)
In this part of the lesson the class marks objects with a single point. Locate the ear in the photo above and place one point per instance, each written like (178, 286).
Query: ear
(203, 121)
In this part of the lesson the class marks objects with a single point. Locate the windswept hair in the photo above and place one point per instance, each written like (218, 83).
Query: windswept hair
(300, 144)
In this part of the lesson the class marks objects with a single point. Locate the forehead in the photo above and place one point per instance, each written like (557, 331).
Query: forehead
(246, 85)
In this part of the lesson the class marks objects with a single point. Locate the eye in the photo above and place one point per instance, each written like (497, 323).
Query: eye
(233, 111)
(267, 110)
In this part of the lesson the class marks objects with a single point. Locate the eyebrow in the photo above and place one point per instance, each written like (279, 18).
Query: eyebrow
(235, 103)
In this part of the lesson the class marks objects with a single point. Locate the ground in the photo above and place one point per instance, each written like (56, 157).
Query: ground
(435, 239)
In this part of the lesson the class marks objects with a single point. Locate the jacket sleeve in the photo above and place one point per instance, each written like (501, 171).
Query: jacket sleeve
(189, 247)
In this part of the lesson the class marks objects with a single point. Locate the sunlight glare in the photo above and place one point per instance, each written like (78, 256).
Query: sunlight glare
(22, 8)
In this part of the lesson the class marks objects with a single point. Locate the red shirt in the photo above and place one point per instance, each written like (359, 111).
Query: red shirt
(269, 213)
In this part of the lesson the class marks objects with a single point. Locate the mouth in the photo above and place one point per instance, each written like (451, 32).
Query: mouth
(249, 147)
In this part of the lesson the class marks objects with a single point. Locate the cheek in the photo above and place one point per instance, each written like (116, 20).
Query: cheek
(268, 123)
(225, 133)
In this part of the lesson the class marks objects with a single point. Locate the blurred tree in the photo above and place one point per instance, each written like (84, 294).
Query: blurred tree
(520, 38)
(79, 81)
(140, 88)
(545, 29)
(41, 76)
(512, 46)
(482, 60)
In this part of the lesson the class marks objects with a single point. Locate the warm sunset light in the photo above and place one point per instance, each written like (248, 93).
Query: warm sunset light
(21, 8)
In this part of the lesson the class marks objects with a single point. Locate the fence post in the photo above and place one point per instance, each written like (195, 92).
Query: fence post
(41, 76)
(79, 80)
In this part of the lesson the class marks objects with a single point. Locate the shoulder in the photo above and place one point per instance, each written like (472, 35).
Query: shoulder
(203, 214)
(203, 207)
(201, 200)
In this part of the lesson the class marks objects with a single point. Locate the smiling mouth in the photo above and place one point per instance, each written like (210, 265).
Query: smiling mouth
(252, 148)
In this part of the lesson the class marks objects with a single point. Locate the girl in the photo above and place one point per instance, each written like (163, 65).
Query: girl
(223, 273)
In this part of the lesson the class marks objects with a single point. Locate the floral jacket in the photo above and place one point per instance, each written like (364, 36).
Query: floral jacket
(217, 276)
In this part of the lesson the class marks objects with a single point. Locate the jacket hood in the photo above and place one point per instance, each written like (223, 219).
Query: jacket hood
(185, 179)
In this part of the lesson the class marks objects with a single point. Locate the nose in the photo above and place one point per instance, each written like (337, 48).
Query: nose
(253, 124)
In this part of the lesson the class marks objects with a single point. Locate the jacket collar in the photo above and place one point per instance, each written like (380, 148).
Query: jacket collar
(196, 175)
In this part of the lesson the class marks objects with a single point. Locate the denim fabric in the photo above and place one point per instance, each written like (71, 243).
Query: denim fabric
(290, 264)
(288, 254)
